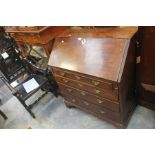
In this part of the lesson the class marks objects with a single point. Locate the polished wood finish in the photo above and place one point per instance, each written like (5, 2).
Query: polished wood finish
(99, 82)
(103, 112)
(122, 33)
(99, 57)
(127, 83)
(36, 35)
(98, 114)
(108, 94)
(92, 98)
(27, 29)
(96, 74)
(146, 67)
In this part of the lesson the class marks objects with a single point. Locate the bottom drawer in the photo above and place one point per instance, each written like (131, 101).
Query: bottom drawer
(111, 105)
(92, 108)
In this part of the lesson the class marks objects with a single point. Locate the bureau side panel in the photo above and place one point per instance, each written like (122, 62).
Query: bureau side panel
(127, 82)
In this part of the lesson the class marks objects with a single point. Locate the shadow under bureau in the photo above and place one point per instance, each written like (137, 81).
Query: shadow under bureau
(97, 74)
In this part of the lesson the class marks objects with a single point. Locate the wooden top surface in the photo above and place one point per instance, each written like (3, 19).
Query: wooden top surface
(123, 33)
(99, 57)
(25, 29)
(32, 36)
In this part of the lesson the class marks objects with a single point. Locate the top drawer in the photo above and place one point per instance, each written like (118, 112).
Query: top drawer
(92, 81)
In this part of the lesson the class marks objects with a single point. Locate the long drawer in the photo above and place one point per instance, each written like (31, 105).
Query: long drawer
(114, 106)
(92, 108)
(100, 83)
(109, 94)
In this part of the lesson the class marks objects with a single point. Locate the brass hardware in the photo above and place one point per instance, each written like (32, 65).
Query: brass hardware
(99, 101)
(83, 93)
(62, 74)
(73, 100)
(102, 112)
(116, 88)
(86, 103)
(138, 59)
(137, 43)
(77, 77)
(97, 91)
(95, 83)
(66, 81)
(80, 85)
(69, 90)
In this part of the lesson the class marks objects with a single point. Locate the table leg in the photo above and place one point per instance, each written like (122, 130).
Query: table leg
(48, 48)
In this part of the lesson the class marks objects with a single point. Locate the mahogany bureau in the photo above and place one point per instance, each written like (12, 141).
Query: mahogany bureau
(95, 72)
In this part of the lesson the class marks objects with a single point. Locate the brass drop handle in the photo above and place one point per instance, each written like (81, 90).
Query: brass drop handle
(73, 100)
(116, 88)
(66, 81)
(102, 112)
(83, 93)
(77, 77)
(62, 74)
(69, 90)
(99, 101)
(95, 83)
(97, 91)
(86, 103)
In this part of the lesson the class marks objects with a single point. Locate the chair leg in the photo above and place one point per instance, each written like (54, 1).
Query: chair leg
(3, 115)
(54, 89)
(27, 108)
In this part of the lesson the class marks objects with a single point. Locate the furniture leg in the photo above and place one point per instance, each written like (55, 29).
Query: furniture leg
(48, 48)
(33, 104)
(27, 108)
(3, 115)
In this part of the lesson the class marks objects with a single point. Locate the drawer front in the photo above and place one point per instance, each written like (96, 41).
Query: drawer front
(92, 81)
(109, 94)
(114, 106)
(92, 108)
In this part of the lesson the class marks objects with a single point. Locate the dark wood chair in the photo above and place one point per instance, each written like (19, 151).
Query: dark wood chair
(15, 69)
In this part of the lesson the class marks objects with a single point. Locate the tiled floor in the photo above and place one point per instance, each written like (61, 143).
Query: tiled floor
(51, 113)
(5, 94)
